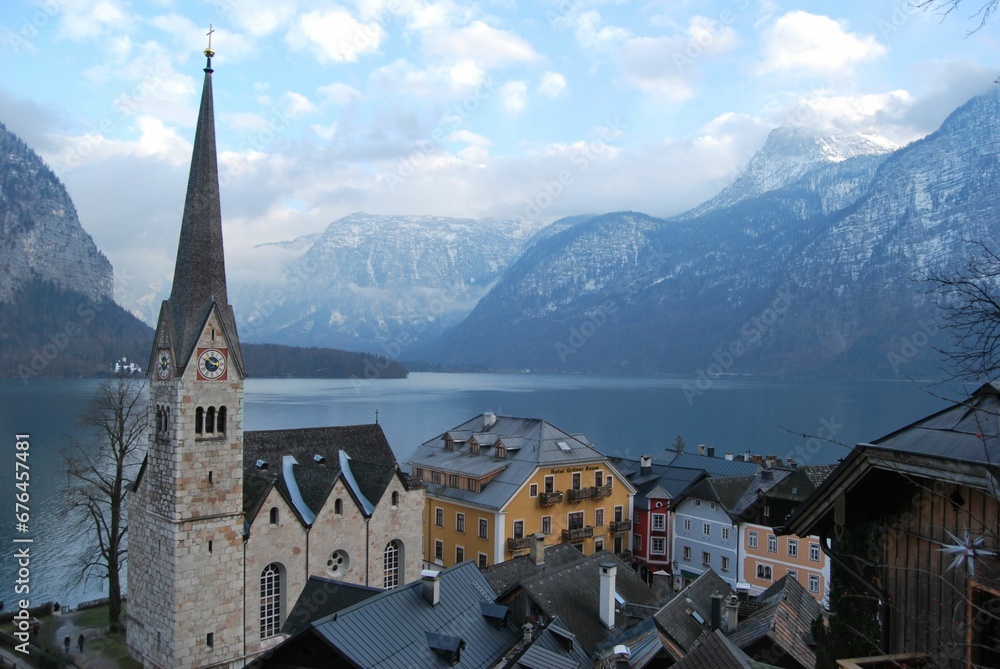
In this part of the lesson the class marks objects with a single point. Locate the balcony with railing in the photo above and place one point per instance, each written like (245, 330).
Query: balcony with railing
(621, 525)
(598, 492)
(578, 494)
(578, 534)
(550, 498)
(625, 555)
(518, 543)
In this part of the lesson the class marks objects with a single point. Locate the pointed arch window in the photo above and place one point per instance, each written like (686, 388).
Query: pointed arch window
(270, 600)
(391, 558)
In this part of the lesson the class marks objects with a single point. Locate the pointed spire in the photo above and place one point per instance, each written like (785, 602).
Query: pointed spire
(200, 272)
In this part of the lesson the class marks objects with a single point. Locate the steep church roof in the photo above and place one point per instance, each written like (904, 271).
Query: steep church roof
(200, 270)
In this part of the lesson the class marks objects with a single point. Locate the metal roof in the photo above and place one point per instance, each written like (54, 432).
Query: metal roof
(322, 597)
(539, 447)
(390, 630)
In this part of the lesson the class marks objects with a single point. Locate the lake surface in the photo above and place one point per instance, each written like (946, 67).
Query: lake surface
(621, 416)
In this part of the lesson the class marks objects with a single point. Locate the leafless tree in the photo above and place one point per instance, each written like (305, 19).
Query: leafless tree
(981, 11)
(101, 464)
(970, 303)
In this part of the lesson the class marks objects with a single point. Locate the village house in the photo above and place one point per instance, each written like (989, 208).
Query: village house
(494, 480)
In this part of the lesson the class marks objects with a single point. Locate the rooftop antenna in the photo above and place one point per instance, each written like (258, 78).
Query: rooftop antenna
(376, 416)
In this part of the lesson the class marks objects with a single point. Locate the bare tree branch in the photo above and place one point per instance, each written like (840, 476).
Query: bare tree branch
(99, 466)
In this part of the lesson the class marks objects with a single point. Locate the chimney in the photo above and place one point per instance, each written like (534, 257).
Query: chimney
(729, 456)
(711, 451)
(537, 550)
(701, 449)
(716, 611)
(770, 461)
(662, 584)
(732, 613)
(792, 464)
(607, 610)
(645, 465)
(432, 586)
(489, 419)
(622, 654)
(526, 631)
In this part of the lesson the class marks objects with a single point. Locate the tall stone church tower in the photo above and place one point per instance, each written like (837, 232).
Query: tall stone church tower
(186, 545)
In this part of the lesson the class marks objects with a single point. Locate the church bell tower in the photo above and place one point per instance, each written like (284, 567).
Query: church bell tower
(185, 573)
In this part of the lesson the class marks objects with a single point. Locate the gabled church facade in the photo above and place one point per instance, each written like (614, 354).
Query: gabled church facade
(226, 527)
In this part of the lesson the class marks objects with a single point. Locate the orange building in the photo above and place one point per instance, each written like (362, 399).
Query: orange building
(493, 481)
(768, 557)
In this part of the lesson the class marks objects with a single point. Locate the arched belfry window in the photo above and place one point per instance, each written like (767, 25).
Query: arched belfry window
(199, 420)
(395, 498)
(210, 420)
(270, 600)
(274, 515)
(221, 421)
(338, 506)
(392, 556)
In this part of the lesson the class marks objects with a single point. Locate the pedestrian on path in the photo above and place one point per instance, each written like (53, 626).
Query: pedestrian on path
(80, 642)
(66, 642)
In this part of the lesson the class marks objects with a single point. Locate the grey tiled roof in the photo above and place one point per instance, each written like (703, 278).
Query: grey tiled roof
(321, 597)
(714, 466)
(200, 270)
(572, 592)
(390, 629)
(549, 650)
(540, 446)
(675, 617)
(786, 620)
(505, 575)
(727, 491)
(364, 443)
(714, 651)
(660, 481)
(255, 490)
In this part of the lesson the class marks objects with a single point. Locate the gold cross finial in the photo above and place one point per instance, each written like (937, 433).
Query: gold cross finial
(208, 51)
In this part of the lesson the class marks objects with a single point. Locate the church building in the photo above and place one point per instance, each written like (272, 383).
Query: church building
(226, 527)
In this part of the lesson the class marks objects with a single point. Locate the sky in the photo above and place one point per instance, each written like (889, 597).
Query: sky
(526, 110)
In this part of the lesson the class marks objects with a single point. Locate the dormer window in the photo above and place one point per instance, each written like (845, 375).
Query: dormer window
(449, 443)
(501, 453)
(474, 447)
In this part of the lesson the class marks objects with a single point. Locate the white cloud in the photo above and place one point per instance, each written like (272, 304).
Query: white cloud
(800, 41)
(552, 84)
(85, 19)
(590, 34)
(467, 73)
(514, 95)
(481, 43)
(339, 93)
(297, 105)
(335, 36)
(260, 17)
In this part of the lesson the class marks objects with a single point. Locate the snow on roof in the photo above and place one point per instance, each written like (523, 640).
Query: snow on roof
(287, 464)
(345, 471)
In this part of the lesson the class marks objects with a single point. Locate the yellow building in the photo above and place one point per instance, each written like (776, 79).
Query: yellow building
(493, 481)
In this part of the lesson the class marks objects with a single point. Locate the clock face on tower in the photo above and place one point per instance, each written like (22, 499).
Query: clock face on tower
(163, 364)
(211, 364)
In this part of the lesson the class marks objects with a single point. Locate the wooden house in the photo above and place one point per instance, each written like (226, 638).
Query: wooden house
(931, 491)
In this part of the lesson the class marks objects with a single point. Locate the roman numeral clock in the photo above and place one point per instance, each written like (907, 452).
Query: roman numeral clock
(212, 364)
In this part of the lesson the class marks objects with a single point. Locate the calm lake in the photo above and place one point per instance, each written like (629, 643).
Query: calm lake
(619, 415)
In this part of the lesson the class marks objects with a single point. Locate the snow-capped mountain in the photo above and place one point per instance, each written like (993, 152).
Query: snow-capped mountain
(802, 266)
(787, 155)
(378, 282)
